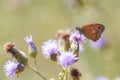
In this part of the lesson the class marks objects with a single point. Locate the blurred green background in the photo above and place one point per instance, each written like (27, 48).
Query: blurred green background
(43, 18)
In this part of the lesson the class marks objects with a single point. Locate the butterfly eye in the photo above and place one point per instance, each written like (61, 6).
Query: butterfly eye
(99, 27)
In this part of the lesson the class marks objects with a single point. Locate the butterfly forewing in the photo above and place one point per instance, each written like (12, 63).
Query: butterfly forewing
(92, 31)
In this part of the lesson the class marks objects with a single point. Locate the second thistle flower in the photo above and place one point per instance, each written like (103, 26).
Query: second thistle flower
(32, 47)
(77, 41)
(11, 68)
(67, 58)
(50, 49)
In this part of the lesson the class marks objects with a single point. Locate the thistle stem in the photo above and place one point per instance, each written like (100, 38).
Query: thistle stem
(64, 75)
(36, 65)
(38, 73)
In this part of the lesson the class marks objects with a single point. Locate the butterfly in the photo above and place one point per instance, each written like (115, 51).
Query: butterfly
(92, 31)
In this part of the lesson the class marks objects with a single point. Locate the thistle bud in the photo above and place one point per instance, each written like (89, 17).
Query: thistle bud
(19, 55)
(64, 41)
(75, 74)
(32, 47)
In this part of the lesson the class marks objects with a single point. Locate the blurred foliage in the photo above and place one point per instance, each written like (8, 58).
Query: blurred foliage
(42, 19)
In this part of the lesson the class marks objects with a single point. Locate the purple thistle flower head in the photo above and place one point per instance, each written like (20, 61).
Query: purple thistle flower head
(98, 44)
(67, 58)
(10, 68)
(77, 40)
(77, 37)
(49, 47)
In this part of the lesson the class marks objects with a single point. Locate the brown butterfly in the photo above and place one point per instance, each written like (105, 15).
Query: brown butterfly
(92, 31)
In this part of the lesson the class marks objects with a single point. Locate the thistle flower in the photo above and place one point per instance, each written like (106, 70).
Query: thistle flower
(10, 68)
(50, 49)
(20, 56)
(67, 58)
(32, 47)
(77, 41)
(77, 37)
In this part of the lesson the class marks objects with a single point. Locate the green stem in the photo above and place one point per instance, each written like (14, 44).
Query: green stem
(38, 73)
(66, 73)
(62, 76)
(63, 73)
(61, 67)
(35, 61)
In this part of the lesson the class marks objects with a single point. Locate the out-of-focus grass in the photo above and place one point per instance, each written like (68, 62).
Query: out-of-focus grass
(42, 19)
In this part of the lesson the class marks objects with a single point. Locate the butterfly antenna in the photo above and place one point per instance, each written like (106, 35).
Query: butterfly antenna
(78, 29)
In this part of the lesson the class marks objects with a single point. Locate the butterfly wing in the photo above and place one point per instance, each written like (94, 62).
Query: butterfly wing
(92, 31)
